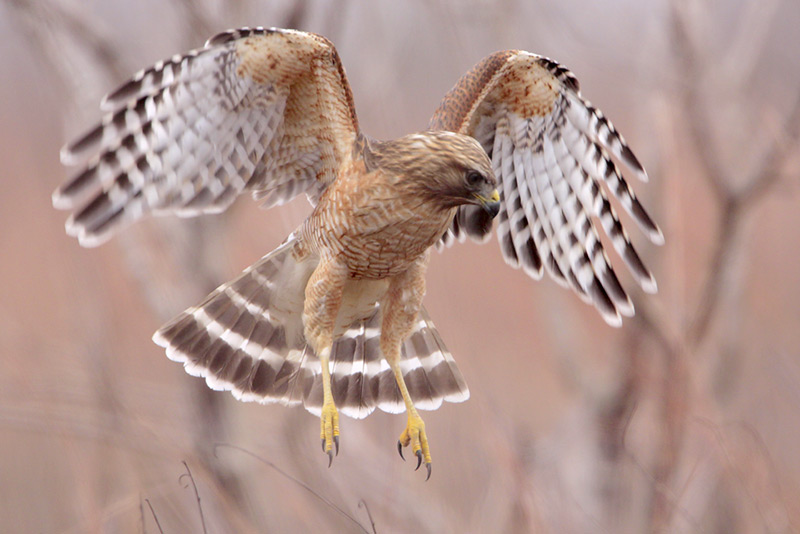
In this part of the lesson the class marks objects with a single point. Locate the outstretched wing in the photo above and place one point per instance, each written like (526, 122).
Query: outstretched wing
(264, 110)
(551, 151)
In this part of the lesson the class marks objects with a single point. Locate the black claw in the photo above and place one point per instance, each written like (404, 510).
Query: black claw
(323, 444)
(330, 458)
(400, 450)
(429, 472)
(336, 442)
(419, 459)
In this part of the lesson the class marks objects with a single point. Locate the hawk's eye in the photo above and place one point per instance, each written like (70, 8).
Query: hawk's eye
(474, 178)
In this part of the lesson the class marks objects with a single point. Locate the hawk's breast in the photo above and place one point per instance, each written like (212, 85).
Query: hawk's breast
(373, 228)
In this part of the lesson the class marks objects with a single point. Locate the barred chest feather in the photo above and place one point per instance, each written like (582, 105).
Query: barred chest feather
(376, 228)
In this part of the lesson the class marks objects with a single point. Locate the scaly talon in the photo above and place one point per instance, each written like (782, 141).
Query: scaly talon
(329, 423)
(414, 435)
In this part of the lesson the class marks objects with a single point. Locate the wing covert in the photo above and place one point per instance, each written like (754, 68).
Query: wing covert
(264, 110)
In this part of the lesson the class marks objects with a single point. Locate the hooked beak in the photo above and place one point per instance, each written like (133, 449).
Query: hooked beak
(491, 204)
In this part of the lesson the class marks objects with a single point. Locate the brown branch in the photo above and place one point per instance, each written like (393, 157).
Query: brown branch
(733, 203)
(711, 291)
(300, 483)
(734, 207)
(153, 512)
(692, 79)
(769, 171)
(673, 413)
(196, 494)
(363, 504)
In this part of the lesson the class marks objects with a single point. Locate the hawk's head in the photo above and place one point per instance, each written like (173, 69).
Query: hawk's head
(449, 168)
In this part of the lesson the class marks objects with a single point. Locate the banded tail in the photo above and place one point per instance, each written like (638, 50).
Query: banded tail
(247, 337)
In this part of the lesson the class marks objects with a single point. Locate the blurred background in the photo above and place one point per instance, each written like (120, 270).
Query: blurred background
(683, 420)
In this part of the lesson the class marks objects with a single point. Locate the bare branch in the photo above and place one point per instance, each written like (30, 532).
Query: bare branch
(300, 483)
(732, 202)
(153, 512)
(734, 207)
(363, 504)
(727, 232)
(768, 173)
(693, 74)
(196, 494)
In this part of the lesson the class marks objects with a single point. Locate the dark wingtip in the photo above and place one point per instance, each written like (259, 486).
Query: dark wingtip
(124, 92)
(630, 158)
(71, 153)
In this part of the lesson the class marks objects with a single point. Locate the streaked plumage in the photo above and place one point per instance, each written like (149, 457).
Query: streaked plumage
(333, 317)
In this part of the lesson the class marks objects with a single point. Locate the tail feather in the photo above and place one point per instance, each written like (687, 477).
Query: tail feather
(237, 340)
(441, 371)
(246, 337)
(361, 379)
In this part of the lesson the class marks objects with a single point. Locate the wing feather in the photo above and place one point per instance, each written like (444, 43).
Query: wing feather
(553, 154)
(264, 110)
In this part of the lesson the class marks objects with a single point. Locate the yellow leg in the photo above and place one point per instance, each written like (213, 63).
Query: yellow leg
(400, 310)
(323, 299)
(414, 434)
(329, 420)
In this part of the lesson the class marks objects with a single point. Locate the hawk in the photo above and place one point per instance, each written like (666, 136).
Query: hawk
(333, 318)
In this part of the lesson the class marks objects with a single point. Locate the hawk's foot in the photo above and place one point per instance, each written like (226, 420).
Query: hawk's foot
(414, 435)
(329, 423)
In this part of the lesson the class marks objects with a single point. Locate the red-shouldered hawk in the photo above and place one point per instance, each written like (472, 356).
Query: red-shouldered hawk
(333, 316)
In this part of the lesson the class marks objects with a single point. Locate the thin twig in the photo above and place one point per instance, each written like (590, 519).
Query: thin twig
(141, 515)
(155, 517)
(196, 494)
(363, 503)
(296, 481)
